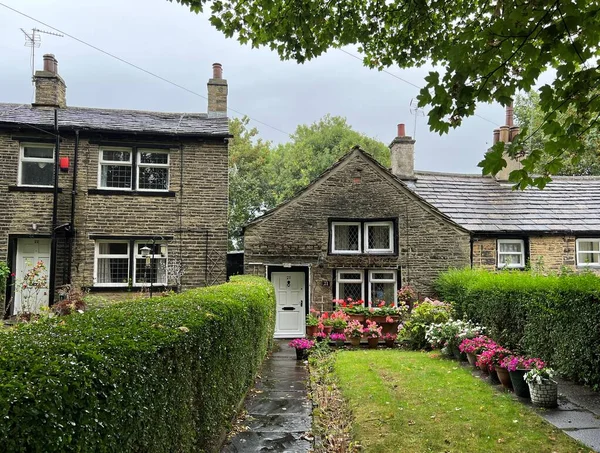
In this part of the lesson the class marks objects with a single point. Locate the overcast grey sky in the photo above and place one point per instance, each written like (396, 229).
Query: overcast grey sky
(167, 39)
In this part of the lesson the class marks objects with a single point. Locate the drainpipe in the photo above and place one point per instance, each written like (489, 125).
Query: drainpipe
(52, 283)
(73, 193)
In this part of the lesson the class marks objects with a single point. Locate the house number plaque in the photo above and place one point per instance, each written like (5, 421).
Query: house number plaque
(326, 283)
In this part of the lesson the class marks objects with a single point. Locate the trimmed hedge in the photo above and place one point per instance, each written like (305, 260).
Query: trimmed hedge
(159, 375)
(554, 317)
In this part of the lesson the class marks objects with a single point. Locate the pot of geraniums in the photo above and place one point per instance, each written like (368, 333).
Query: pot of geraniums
(354, 331)
(312, 323)
(377, 312)
(543, 389)
(327, 322)
(320, 335)
(373, 333)
(517, 366)
(339, 321)
(390, 339)
(302, 346)
(474, 346)
(355, 309)
(491, 358)
(338, 338)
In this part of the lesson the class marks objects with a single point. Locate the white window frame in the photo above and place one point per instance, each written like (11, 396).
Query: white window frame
(339, 280)
(390, 225)
(102, 162)
(578, 251)
(393, 280)
(346, 252)
(510, 265)
(22, 159)
(162, 246)
(97, 256)
(140, 165)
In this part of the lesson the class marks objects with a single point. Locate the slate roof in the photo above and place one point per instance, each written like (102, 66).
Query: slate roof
(481, 204)
(111, 120)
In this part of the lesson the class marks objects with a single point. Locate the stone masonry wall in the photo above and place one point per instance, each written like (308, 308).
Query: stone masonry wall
(195, 217)
(297, 233)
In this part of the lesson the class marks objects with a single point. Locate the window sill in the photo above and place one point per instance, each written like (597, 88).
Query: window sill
(134, 193)
(131, 289)
(363, 254)
(33, 189)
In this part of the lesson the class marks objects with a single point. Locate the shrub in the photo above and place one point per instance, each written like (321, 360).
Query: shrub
(422, 316)
(156, 375)
(554, 317)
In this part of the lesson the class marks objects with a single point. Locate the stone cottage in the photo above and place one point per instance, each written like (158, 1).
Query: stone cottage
(112, 200)
(363, 231)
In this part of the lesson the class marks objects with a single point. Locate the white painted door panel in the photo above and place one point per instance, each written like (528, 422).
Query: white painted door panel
(289, 291)
(29, 252)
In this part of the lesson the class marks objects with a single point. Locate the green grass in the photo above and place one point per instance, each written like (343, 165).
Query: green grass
(417, 402)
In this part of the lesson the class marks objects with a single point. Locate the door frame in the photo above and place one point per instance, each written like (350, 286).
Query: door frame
(305, 269)
(11, 261)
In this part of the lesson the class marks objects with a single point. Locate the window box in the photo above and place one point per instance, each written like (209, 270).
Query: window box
(36, 165)
(588, 252)
(511, 253)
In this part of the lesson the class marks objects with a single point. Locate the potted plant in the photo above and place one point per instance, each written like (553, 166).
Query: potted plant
(490, 359)
(339, 321)
(338, 338)
(312, 323)
(320, 335)
(543, 389)
(355, 310)
(354, 331)
(390, 339)
(517, 366)
(474, 346)
(407, 296)
(302, 346)
(327, 323)
(373, 333)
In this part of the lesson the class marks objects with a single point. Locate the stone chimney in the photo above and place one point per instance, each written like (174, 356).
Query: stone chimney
(217, 93)
(402, 151)
(507, 134)
(50, 88)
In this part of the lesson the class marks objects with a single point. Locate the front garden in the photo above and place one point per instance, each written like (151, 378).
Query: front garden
(514, 327)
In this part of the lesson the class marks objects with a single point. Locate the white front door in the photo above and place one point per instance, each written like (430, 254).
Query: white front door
(29, 298)
(289, 291)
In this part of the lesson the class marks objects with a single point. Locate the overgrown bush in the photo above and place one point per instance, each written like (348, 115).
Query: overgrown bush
(157, 375)
(421, 317)
(554, 317)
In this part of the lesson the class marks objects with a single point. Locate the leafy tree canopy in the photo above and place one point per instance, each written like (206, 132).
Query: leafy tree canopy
(261, 175)
(489, 51)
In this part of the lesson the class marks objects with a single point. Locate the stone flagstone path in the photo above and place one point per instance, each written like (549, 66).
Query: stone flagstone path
(279, 411)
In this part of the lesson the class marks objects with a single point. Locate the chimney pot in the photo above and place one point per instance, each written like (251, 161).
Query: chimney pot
(401, 130)
(50, 63)
(496, 135)
(509, 115)
(514, 131)
(217, 71)
(504, 134)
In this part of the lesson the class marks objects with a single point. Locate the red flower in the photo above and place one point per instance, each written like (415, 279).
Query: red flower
(381, 304)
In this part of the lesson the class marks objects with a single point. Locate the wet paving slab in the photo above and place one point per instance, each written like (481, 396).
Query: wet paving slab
(279, 413)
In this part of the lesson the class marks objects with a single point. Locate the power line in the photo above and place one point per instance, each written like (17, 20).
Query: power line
(408, 82)
(137, 67)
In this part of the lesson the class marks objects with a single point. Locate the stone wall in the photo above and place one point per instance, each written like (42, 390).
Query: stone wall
(193, 215)
(298, 232)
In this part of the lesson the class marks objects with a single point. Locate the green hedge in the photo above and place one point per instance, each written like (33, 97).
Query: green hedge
(554, 317)
(160, 375)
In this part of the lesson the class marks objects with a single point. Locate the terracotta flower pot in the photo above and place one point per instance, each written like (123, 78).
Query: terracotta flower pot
(389, 327)
(377, 319)
(494, 380)
(472, 359)
(359, 318)
(311, 331)
(355, 341)
(504, 377)
(373, 342)
(338, 330)
(327, 330)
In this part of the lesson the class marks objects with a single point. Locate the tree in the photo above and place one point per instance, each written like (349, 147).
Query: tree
(261, 176)
(250, 191)
(489, 51)
(313, 149)
(528, 114)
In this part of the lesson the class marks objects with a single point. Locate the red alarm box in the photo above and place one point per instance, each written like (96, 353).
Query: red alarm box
(64, 164)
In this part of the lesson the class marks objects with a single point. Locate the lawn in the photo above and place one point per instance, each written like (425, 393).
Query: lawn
(418, 402)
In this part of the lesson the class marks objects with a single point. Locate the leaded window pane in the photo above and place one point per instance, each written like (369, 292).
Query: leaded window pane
(346, 237)
(382, 292)
(153, 178)
(379, 237)
(116, 176)
(147, 271)
(113, 270)
(352, 290)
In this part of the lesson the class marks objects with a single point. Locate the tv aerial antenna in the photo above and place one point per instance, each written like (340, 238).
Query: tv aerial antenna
(416, 111)
(34, 40)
